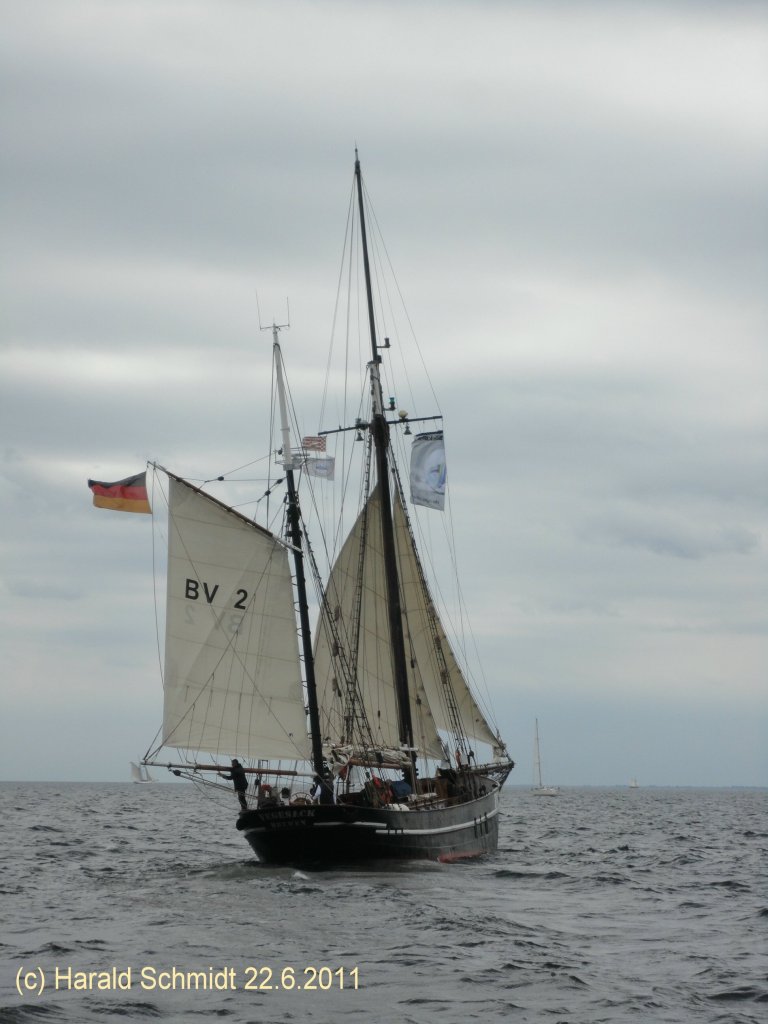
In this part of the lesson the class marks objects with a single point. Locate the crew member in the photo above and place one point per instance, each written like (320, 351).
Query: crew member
(239, 781)
(321, 793)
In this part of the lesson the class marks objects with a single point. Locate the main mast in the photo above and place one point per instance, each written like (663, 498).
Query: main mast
(294, 532)
(380, 432)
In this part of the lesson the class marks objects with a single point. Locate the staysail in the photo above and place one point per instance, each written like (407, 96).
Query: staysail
(232, 674)
(431, 653)
(436, 683)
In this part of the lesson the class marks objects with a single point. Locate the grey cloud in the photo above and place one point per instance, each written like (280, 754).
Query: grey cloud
(667, 536)
(43, 591)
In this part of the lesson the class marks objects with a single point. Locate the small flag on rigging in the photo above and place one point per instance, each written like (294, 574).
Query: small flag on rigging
(129, 495)
(313, 444)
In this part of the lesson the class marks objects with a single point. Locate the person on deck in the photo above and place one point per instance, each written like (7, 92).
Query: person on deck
(239, 781)
(322, 792)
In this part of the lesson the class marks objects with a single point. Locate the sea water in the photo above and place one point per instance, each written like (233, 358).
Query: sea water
(619, 905)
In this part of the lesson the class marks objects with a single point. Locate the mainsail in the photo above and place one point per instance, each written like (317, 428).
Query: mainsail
(232, 674)
(356, 597)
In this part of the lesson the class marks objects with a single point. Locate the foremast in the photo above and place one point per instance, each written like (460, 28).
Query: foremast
(380, 432)
(295, 534)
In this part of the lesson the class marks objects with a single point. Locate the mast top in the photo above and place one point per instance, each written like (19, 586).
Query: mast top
(274, 327)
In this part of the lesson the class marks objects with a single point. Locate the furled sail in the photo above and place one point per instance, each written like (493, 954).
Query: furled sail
(439, 692)
(232, 675)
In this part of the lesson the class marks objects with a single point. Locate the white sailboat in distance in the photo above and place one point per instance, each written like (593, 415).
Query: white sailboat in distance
(140, 773)
(539, 789)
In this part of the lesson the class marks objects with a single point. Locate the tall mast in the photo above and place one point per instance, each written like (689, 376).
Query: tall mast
(380, 431)
(294, 529)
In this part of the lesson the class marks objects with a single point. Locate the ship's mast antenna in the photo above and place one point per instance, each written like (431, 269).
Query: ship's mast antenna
(269, 327)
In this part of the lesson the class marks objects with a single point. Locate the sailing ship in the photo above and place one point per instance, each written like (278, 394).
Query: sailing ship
(539, 789)
(357, 739)
(140, 773)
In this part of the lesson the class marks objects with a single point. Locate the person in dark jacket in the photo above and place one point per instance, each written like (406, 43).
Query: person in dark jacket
(239, 781)
(322, 791)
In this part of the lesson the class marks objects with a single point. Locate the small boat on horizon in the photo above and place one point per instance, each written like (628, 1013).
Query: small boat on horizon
(539, 789)
(141, 774)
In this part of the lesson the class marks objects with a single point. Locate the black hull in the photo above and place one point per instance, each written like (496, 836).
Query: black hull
(347, 834)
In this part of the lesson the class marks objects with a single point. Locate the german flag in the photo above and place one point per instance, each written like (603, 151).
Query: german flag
(129, 495)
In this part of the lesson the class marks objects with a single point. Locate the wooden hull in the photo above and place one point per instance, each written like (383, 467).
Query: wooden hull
(347, 834)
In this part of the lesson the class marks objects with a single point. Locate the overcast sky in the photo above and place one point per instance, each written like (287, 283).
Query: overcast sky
(573, 196)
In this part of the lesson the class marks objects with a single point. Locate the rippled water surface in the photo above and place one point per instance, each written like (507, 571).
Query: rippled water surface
(601, 905)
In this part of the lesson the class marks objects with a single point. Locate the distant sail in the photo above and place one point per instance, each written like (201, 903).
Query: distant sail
(232, 674)
(140, 773)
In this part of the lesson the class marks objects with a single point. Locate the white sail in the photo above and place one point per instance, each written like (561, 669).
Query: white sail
(539, 789)
(140, 773)
(431, 671)
(232, 676)
(374, 666)
(430, 650)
